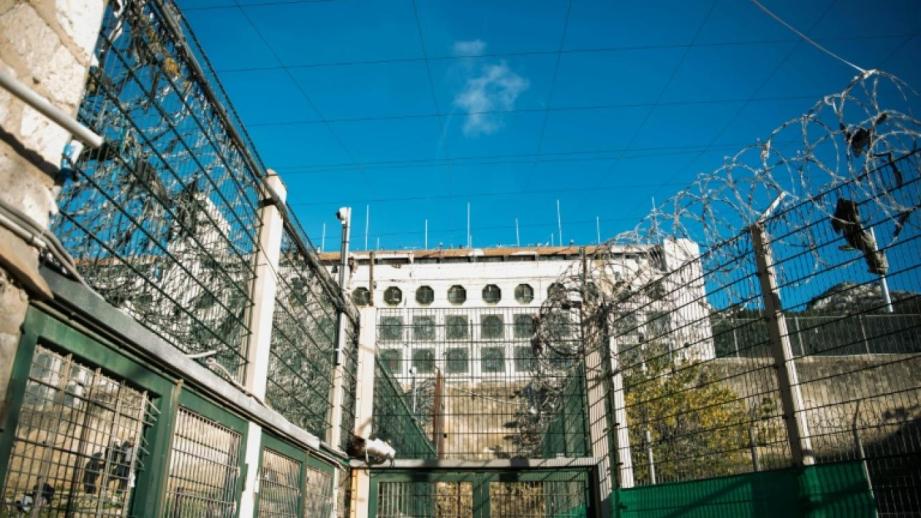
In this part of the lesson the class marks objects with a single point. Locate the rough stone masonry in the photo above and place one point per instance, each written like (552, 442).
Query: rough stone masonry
(48, 45)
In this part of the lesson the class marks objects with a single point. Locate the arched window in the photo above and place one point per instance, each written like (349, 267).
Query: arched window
(425, 295)
(524, 293)
(361, 296)
(393, 296)
(491, 294)
(457, 294)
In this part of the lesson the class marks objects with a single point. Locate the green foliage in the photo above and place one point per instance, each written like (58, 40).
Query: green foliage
(698, 427)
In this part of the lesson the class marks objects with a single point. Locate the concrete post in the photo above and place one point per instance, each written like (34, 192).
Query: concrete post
(264, 289)
(47, 45)
(364, 406)
(791, 397)
(621, 430)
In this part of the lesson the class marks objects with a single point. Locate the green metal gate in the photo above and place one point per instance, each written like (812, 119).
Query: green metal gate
(559, 493)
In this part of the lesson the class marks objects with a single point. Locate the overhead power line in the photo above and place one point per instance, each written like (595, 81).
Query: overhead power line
(526, 53)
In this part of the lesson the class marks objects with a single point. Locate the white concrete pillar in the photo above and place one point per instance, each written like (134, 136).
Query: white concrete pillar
(264, 289)
(364, 406)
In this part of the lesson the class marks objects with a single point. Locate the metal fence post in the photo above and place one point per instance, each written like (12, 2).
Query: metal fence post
(264, 288)
(791, 397)
(364, 407)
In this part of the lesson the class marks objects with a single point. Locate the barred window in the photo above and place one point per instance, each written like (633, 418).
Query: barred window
(424, 360)
(423, 328)
(391, 329)
(559, 324)
(457, 294)
(457, 327)
(524, 359)
(492, 294)
(493, 359)
(393, 296)
(556, 291)
(361, 296)
(524, 326)
(425, 295)
(524, 293)
(491, 327)
(457, 360)
(391, 359)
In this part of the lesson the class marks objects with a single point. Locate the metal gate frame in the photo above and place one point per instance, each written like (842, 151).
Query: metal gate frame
(306, 462)
(41, 328)
(481, 474)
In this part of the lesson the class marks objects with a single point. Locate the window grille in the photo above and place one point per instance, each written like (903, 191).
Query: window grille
(361, 296)
(391, 329)
(78, 443)
(393, 296)
(493, 359)
(279, 485)
(524, 293)
(491, 327)
(423, 328)
(457, 327)
(425, 295)
(556, 291)
(524, 326)
(392, 359)
(204, 473)
(524, 358)
(491, 294)
(457, 360)
(457, 294)
(424, 360)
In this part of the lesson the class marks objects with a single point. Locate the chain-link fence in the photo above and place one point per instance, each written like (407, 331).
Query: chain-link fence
(776, 323)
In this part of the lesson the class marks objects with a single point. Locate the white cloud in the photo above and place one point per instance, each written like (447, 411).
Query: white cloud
(469, 48)
(496, 87)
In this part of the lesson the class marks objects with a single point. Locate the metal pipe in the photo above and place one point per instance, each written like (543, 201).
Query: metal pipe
(44, 106)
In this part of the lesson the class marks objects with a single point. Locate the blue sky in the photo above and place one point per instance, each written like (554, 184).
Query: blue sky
(417, 108)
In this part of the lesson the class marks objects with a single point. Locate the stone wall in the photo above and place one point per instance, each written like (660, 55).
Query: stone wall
(48, 45)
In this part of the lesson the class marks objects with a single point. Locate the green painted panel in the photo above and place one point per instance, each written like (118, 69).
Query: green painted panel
(816, 491)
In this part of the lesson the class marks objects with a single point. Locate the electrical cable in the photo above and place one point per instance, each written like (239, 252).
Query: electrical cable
(807, 39)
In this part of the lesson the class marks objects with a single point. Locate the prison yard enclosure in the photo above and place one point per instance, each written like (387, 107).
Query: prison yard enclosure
(751, 348)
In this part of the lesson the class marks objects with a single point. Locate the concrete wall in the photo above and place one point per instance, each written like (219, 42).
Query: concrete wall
(48, 45)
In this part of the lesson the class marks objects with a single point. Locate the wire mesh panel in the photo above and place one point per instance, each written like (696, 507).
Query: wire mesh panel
(204, 472)
(393, 419)
(279, 485)
(318, 491)
(162, 219)
(477, 385)
(561, 497)
(850, 280)
(772, 318)
(304, 343)
(78, 444)
(448, 494)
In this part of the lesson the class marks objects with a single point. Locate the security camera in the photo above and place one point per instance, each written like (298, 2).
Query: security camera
(343, 214)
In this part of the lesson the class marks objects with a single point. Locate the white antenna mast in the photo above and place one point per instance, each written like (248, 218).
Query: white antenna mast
(367, 223)
(323, 238)
(598, 229)
(517, 235)
(559, 222)
(469, 238)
